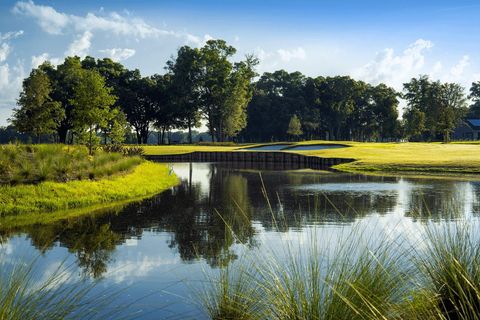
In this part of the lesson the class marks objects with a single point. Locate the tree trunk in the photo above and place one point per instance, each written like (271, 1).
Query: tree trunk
(90, 142)
(190, 132)
(62, 134)
(139, 137)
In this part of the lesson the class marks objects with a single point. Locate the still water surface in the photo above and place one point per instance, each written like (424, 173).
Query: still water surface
(161, 248)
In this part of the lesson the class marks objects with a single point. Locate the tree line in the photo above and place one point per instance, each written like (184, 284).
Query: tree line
(89, 100)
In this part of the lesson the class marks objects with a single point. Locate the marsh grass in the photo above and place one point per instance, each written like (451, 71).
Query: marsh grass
(451, 269)
(61, 295)
(355, 276)
(312, 282)
(32, 164)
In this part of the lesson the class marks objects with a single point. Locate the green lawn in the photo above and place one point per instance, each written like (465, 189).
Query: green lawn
(408, 157)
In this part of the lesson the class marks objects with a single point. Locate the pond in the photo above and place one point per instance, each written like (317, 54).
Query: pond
(159, 250)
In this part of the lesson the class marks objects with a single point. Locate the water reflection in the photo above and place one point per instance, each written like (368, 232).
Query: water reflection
(218, 206)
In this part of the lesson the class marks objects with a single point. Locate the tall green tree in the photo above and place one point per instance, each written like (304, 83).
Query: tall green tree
(225, 89)
(214, 91)
(239, 95)
(115, 127)
(64, 78)
(441, 105)
(38, 113)
(92, 100)
(185, 84)
(138, 103)
(294, 127)
(474, 96)
(453, 107)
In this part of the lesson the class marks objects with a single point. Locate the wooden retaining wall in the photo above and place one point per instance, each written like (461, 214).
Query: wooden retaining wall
(260, 157)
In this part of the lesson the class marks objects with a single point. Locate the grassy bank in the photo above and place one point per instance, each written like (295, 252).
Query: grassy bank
(145, 180)
(417, 158)
(31, 164)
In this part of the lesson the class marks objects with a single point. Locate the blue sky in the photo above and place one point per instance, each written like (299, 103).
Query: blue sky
(376, 41)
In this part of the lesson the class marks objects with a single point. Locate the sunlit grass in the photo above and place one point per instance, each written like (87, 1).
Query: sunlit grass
(409, 157)
(31, 164)
(146, 179)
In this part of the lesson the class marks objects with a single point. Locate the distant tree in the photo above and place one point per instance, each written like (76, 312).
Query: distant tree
(385, 111)
(225, 89)
(63, 79)
(138, 103)
(441, 105)
(38, 113)
(185, 84)
(92, 100)
(116, 126)
(474, 108)
(239, 95)
(453, 107)
(294, 127)
(414, 123)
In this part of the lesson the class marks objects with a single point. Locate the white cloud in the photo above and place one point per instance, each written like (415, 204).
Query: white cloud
(4, 51)
(80, 46)
(54, 22)
(118, 54)
(38, 60)
(457, 71)
(288, 55)
(10, 77)
(11, 35)
(10, 83)
(48, 18)
(198, 41)
(393, 69)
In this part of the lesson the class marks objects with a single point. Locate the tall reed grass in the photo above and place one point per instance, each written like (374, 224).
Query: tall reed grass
(27, 164)
(357, 277)
(25, 295)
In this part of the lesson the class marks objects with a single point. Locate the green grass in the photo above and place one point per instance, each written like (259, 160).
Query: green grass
(32, 164)
(406, 158)
(435, 278)
(24, 295)
(359, 282)
(146, 179)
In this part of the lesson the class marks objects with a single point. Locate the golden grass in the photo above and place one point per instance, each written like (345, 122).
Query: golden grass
(147, 179)
(433, 157)
(408, 157)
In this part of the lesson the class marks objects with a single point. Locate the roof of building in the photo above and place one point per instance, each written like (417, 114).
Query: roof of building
(474, 122)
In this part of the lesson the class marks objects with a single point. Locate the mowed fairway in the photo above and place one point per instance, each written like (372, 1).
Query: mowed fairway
(413, 157)
(433, 157)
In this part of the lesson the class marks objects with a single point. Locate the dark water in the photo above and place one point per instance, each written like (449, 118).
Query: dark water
(161, 249)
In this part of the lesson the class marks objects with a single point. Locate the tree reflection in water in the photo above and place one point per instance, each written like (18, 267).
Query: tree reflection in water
(205, 217)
